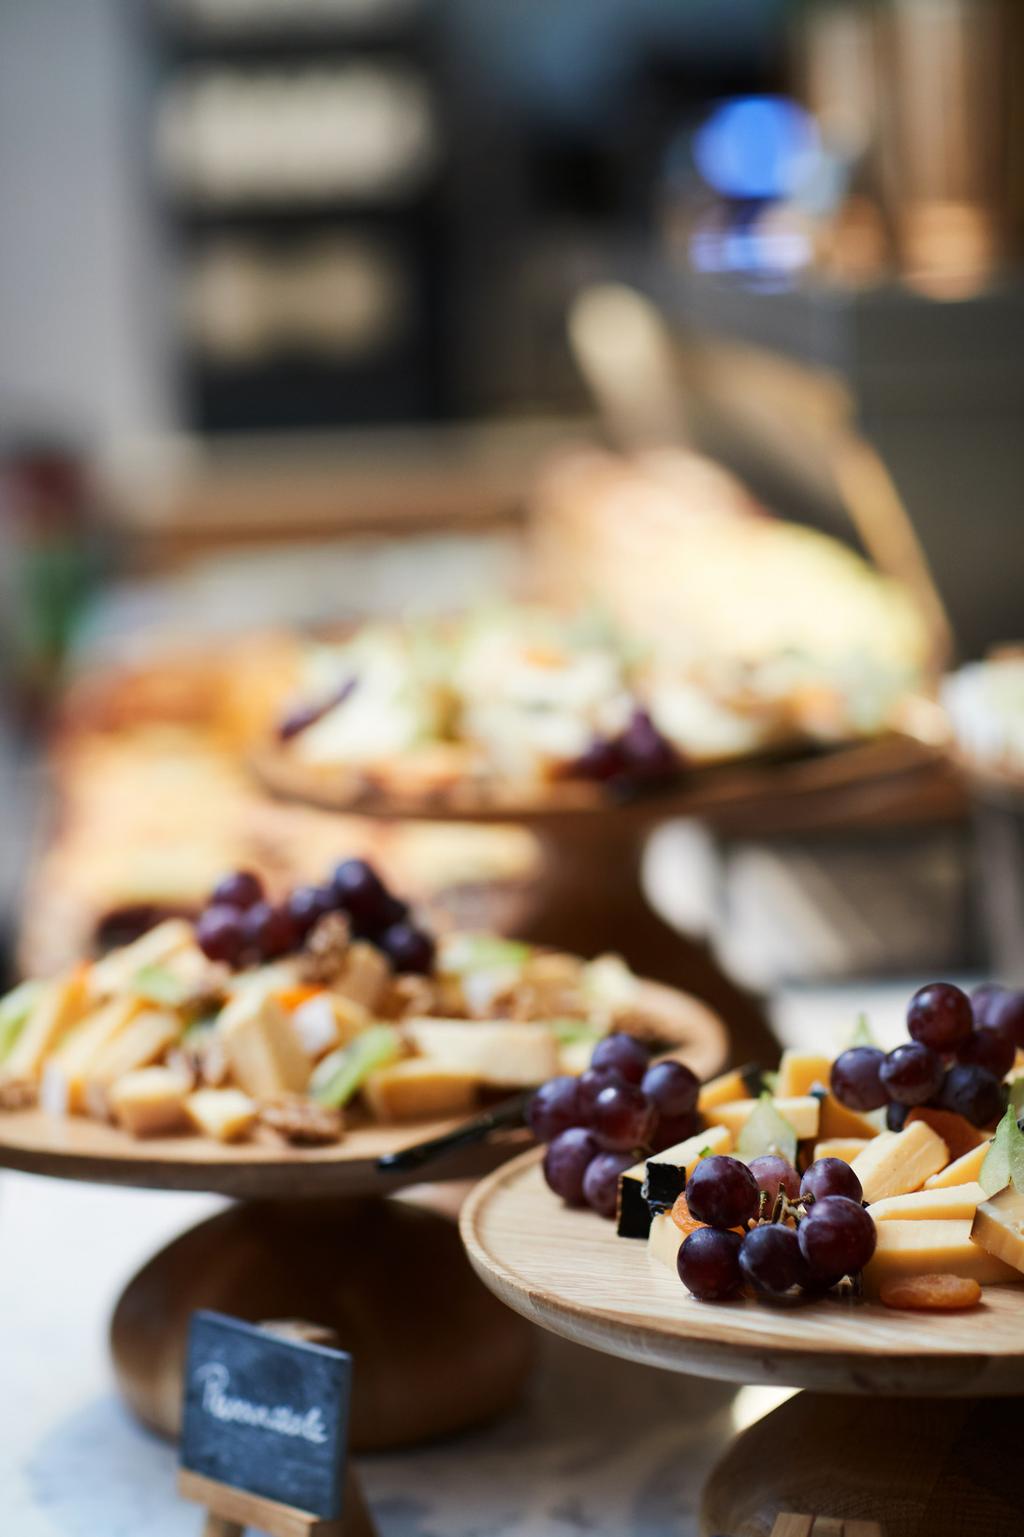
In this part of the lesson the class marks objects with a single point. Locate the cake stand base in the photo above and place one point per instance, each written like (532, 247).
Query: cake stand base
(918, 1467)
(434, 1351)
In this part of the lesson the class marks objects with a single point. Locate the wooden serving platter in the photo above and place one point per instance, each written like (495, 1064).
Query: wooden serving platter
(568, 1271)
(75, 1147)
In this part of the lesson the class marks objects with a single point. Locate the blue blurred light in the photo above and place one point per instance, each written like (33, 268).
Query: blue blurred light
(756, 147)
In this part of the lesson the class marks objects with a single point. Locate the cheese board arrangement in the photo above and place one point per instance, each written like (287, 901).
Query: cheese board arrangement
(855, 1225)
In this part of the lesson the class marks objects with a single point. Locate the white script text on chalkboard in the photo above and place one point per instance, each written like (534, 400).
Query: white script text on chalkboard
(215, 1379)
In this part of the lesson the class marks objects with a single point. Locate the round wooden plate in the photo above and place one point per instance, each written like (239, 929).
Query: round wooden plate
(758, 785)
(568, 1271)
(77, 1148)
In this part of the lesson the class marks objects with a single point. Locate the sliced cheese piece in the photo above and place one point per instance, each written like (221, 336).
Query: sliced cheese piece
(61, 1004)
(115, 972)
(838, 1121)
(801, 1071)
(801, 1111)
(264, 1053)
(327, 1021)
(66, 1073)
(999, 1227)
(509, 1054)
(737, 1083)
(956, 1131)
(417, 1088)
(898, 1161)
(663, 1176)
(150, 1102)
(225, 1114)
(951, 1201)
(139, 1044)
(931, 1248)
(844, 1148)
(961, 1171)
(665, 1240)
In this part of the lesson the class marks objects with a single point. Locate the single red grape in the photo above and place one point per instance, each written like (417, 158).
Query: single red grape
(773, 1174)
(566, 1161)
(672, 1086)
(409, 949)
(360, 892)
(940, 1016)
(601, 761)
(856, 1078)
(985, 1001)
(554, 1108)
(269, 931)
(830, 1176)
(241, 889)
(709, 1264)
(601, 1182)
(622, 1118)
(837, 1237)
(307, 905)
(623, 1053)
(990, 1046)
(974, 1093)
(219, 934)
(648, 755)
(771, 1259)
(722, 1192)
(1007, 1013)
(591, 1081)
(912, 1073)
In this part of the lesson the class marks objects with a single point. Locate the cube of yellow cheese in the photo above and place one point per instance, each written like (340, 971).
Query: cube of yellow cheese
(999, 1227)
(898, 1161)
(150, 1102)
(949, 1201)
(931, 1248)
(801, 1111)
(737, 1083)
(801, 1071)
(264, 1052)
(961, 1171)
(417, 1088)
(60, 1005)
(138, 1044)
(843, 1148)
(225, 1114)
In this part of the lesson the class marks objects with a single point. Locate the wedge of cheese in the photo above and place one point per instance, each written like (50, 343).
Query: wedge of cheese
(150, 1102)
(664, 1240)
(265, 1055)
(837, 1121)
(365, 976)
(66, 1073)
(417, 1088)
(61, 1005)
(506, 1054)
(225, 1114)
(844, 1148)
(932, 1248)
(115, 972)
(737, 1083)
(950, 1201)
(898, 1161)
(961, 1171)
(801, 1071)
(801, 1111)
(999, 1227)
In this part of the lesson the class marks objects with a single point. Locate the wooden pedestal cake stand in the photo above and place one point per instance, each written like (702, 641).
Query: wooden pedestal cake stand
(315, 1234)
(920, 1428)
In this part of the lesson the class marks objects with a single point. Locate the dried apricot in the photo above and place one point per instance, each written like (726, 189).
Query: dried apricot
(930, 1293)
(682, 1219)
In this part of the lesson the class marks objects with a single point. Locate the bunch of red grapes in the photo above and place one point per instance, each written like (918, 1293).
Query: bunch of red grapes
(769, 1228)
(638, 755)
(241, 927)
(602, 1122)
(959, 1052)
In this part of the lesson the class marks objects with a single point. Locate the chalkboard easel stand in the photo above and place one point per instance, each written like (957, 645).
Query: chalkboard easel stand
(230, 1511)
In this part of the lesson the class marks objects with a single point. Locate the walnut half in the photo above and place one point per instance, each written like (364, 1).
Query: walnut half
(300, 1121)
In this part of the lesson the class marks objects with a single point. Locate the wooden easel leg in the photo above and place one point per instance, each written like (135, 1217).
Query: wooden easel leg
(356, 1520)
(216, 1526)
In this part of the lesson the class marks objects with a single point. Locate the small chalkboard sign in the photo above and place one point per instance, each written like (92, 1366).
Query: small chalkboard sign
(265, 1413)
